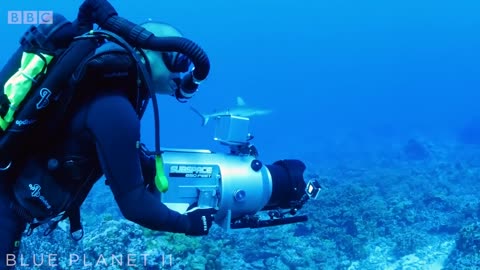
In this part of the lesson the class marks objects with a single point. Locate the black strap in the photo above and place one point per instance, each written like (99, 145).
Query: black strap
(76, 229)
(21, 212)
(4, 104)
(53, 223)
(73, 212)
(31, 227)
(26, 216)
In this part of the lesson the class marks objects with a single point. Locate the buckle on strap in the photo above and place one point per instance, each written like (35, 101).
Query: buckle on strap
(33, 223)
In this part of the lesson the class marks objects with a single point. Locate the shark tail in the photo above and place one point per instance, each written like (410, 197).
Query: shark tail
(204, 118)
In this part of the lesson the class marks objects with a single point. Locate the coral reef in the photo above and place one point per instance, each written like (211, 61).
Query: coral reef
(381, 211)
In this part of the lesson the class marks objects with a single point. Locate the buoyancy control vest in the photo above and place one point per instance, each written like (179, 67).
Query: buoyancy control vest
(53, 184)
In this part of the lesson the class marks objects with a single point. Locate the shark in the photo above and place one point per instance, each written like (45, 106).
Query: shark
(241, 109)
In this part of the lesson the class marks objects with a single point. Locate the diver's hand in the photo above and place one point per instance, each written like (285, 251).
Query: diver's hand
(200, 220)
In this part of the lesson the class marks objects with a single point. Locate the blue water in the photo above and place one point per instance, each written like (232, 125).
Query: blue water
(327, 68)
(361, 72)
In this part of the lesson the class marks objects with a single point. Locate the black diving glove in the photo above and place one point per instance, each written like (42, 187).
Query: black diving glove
(199, 221)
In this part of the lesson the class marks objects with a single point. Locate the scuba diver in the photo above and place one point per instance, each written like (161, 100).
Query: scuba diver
(99, 134)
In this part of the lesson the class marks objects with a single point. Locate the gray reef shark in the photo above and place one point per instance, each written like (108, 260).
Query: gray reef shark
(241, 110)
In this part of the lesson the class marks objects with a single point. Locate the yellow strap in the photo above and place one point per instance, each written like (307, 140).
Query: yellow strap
(19, 85)
(161, 181)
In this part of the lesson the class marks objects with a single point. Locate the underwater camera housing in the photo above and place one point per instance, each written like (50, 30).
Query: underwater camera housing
(247, 193)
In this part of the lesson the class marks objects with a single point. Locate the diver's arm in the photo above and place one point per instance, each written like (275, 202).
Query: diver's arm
(116, 129)
(147, 162)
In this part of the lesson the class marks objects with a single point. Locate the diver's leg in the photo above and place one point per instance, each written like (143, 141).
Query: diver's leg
(11, 230)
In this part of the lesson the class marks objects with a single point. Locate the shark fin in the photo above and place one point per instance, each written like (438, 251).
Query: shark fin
(204, 117)
(240, 102)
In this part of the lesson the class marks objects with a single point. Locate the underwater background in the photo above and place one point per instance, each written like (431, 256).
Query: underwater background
(378, 98)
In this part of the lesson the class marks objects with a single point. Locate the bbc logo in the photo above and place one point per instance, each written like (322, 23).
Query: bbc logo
(30, 17)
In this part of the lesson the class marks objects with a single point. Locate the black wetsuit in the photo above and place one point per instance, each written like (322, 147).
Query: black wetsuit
(102, 136)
